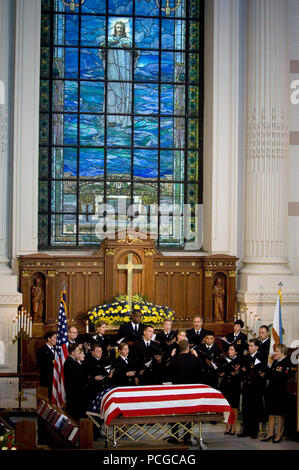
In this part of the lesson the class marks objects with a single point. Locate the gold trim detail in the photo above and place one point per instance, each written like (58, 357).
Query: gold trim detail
(51, 273)
(26, 274)
(110, 251)
(149, 251)
(129, 240)
(208, 273)
(231, 273)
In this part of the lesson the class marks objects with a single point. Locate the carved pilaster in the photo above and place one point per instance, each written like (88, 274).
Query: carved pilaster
(267, 138)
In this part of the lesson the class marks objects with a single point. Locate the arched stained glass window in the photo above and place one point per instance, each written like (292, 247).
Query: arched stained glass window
(121, 102)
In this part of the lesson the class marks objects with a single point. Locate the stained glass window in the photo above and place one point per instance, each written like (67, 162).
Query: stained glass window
(121, 102)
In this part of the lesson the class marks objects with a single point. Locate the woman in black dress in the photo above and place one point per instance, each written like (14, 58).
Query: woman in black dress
(230, 384)
(277, 393)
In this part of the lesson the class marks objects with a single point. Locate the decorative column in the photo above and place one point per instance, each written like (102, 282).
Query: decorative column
(267, 138)
(265, 237)
(10, 298)
(5, 81)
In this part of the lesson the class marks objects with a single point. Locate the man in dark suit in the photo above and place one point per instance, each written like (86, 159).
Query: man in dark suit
(45, 361)
(130, 332)
(254, 377)
(196, 334)
(148, 355)
(236, 338)
(212, 358)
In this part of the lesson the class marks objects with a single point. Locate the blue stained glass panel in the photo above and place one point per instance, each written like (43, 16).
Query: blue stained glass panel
(147, 66)
(145, 163)
(91, 130)
(118, 163)
(166, 164)
(146, 99)
(119, 137)
(172, 99)
(64, 162)
(94, 6)
(147, 33)
(173, 34)
(66, 30)
(146, 132)
(91, 96)
(120, 7)
(64, 129)
(172, 132)
(91, 163)
(92, 30)
(64, 196)
(144, 7)
(65, 96)
(91, 65)
(65, 62)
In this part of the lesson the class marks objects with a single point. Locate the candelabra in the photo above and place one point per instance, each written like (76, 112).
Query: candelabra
(21, 329)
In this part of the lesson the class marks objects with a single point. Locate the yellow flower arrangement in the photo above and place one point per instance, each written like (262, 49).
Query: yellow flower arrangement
(118, 311)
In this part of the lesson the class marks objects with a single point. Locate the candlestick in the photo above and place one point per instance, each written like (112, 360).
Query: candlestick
(87, 326)
(30, 328)
(25, 323)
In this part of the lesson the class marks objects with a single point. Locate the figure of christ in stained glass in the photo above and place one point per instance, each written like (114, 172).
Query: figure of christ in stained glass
(118, 61)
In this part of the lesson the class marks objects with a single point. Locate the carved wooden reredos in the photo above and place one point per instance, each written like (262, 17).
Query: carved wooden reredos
(184, 283)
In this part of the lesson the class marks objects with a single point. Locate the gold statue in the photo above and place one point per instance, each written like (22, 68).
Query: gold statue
(37, 299)
(219, 295)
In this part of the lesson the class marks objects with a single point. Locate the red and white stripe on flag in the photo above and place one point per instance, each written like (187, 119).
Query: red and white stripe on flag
(158, 400)
(61, 353)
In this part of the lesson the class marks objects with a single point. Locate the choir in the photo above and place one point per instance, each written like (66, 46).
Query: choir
(135, 356)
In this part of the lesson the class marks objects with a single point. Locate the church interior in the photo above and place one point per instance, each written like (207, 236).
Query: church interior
(149, 160)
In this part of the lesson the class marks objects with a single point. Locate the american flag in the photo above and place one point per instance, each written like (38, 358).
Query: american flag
(158, 400)
(61, 353)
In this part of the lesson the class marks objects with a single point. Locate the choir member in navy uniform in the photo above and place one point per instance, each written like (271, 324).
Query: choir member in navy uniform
(102, 340)
(264, 339)
(167, 336)
(230, 384)
(237, 338)
(277, 392)
(125, 368)
(45, 361)
(196, 334)
(264, 348)
(254, 376)
(76, 383)
(186, 367)
(148, 355)
(212, 358)
(130, 332)
(99, 376)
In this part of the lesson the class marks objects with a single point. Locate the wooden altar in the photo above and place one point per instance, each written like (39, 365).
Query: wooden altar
(185, 283)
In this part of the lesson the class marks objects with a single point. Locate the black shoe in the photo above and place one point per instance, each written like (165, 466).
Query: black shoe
(243, 434)
(253, 436)
(213, 422)
(172, 440)
(279, 440)
(267, 439)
